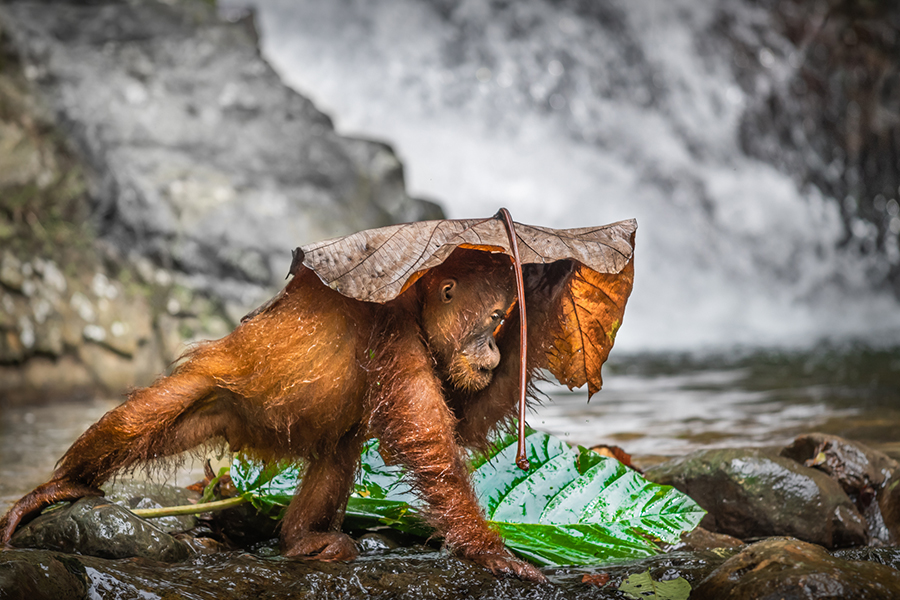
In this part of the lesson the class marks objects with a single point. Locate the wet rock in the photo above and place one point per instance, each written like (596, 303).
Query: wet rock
(754, 493)
(372, 544)
(869, 477)
(788, 569)
(245, 527)
(399, 574)
(161, 173)
(702, 539)
(883, 556)
(40, 575)
(231, 575)
(411, 573)
(134, 494)
(97, 527)
(693, 566)
(206, 161)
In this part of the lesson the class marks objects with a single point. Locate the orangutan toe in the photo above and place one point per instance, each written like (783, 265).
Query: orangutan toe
(503, 564)
(328, 546)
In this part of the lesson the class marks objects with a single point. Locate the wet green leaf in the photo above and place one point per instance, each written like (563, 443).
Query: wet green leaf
(577, 507)
(573, 507)
(269, 488)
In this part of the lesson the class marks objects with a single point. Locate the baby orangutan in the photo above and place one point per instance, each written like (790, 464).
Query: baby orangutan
(312, 375)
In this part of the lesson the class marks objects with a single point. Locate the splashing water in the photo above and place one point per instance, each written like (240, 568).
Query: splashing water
(578, 114)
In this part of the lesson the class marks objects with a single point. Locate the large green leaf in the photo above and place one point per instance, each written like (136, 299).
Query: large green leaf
(577, 507)
(269, 488)
(571, 507)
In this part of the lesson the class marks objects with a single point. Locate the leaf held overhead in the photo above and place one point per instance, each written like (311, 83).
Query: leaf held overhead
(577, 281)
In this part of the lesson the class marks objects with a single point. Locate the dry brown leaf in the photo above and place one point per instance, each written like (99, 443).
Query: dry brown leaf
(577, 280)
(591, 307)
(598, 579)
(376, 265)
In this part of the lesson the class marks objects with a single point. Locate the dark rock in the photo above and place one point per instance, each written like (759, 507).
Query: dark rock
(244, 526)
(206, 161)
(755, 493)
(97, 527)
(788, 569)
(883, 556)
(399, 574)
(702, 539)
(371, 544)
(869, 477)
(238, 575)
(41, 575)
(145, 494)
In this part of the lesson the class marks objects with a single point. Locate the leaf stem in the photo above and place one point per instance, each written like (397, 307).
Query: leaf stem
(189, 509)
(506, 218)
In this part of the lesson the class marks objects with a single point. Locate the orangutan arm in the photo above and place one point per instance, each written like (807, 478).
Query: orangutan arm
(415, 426)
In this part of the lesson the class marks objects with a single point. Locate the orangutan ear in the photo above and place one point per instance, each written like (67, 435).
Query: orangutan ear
(448, 288)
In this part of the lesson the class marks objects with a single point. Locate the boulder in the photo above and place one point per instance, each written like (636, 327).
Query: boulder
(133, 494)
(156, 174)
(97, 527)
(788, 569)
(751, 493)
(204, 160)
(40, 575)
(869, 477)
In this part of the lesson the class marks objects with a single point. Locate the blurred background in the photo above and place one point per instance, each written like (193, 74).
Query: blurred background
(158, 161)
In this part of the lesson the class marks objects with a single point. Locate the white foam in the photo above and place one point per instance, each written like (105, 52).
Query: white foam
(729, 249)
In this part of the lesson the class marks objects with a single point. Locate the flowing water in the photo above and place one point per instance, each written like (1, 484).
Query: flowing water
(652, 405)
(749, 322)
(581, 113)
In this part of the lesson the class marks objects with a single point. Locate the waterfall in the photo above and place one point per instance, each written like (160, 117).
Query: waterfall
(581, 113)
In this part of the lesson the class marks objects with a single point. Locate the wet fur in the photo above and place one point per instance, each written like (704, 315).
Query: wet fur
(312, 376)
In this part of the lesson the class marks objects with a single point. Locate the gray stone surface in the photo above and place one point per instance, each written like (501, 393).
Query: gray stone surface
(204, 160)
(132, 494)
(183, 171)
(752, 493)
(788, 569)
(97, 527)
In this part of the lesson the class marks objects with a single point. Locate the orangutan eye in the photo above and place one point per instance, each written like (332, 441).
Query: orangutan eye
(497, 316)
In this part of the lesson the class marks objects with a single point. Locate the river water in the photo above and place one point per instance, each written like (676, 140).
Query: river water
(749, 322)
(652, 405)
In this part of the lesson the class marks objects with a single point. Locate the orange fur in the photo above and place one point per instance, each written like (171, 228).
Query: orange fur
(314, 374)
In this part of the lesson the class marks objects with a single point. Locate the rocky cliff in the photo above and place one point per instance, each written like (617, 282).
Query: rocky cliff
(154, 175)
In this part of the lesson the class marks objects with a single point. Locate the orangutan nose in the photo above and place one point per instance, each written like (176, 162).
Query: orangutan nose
(492, 356)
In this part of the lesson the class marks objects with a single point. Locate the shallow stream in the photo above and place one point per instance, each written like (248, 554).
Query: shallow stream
(651, 405)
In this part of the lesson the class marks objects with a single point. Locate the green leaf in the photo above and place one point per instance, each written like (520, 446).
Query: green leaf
(382, 496)
(641, 586)
(269, 488)
(573, 507)
(577, 507)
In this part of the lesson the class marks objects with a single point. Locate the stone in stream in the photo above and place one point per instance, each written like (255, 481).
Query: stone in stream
(41, 575)
(788, 569)
(97, 527)
(752, 493)
(870, 478)
(135, 494)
